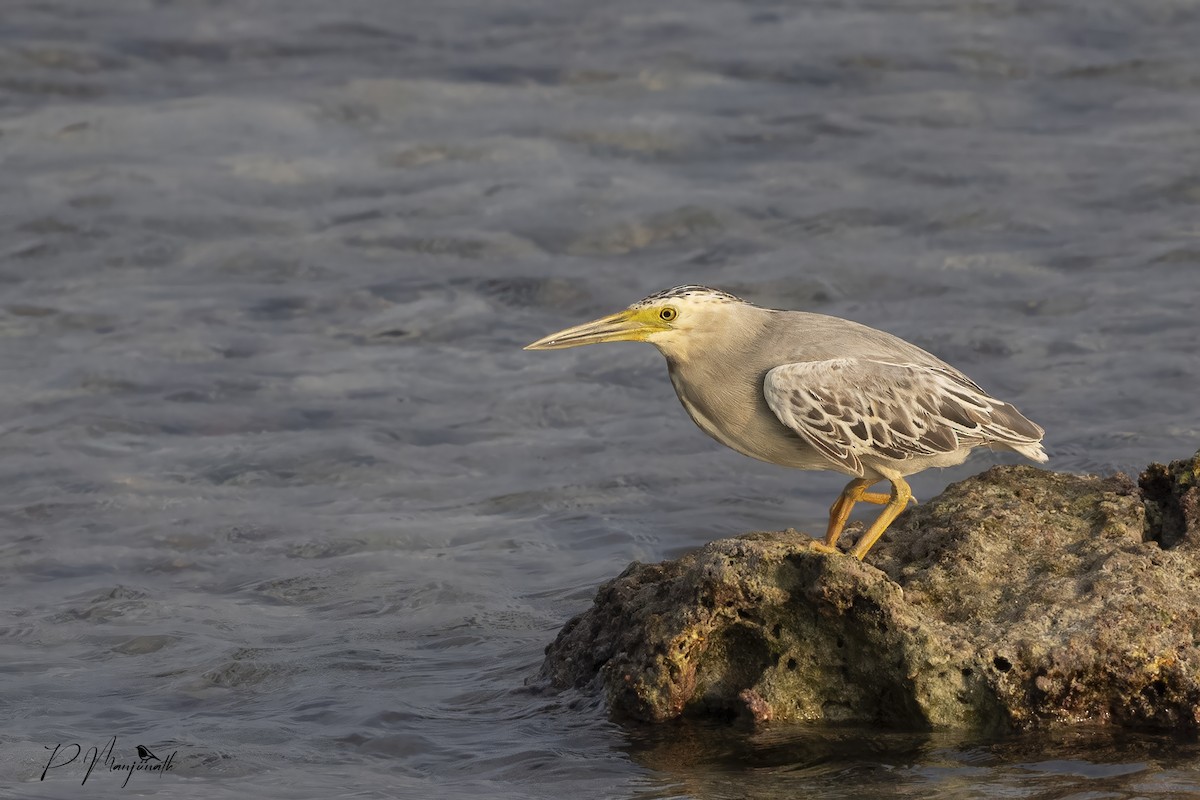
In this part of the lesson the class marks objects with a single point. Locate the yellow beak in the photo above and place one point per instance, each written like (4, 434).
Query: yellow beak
(623, 326)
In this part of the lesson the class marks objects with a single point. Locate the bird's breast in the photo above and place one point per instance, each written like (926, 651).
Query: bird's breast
(735, 413)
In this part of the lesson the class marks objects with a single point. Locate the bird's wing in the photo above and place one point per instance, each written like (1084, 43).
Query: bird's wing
(850, 407)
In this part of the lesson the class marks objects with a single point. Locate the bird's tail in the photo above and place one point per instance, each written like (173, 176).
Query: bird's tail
(1032, 451)
(1013, 430)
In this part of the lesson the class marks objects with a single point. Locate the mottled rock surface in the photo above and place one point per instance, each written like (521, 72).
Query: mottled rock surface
(1017, 598)
(1172, 499)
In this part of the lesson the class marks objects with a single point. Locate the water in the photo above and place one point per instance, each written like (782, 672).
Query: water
(282, 494)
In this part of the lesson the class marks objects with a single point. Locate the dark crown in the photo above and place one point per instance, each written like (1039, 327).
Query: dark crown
(689, 290)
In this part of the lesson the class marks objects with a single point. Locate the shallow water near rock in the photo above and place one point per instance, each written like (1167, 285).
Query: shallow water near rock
(283, 495)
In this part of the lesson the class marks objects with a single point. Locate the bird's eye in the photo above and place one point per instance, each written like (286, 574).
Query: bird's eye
(668, 314)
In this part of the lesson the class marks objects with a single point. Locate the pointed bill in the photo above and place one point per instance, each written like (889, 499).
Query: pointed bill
(623, 326)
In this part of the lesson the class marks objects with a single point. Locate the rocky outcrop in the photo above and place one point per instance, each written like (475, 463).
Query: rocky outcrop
(1017, 598)
(1172, 498)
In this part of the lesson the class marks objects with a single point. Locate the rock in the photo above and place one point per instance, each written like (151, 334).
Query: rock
(1016, 599)
(1172, 499)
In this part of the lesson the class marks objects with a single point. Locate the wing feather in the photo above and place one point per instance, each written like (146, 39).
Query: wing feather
(850, 408)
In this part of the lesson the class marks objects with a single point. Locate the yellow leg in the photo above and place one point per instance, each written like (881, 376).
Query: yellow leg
(901, 494)
(839, 512)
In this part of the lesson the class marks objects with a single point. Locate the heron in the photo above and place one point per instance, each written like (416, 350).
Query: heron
(815, 392)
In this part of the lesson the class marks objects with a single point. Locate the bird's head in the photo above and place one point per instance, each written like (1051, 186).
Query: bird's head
(670, 319)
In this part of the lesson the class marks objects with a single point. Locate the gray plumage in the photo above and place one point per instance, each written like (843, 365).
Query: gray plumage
(812, 391)
(817, 392)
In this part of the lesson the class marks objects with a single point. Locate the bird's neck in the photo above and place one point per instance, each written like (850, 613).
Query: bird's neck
(718, 379)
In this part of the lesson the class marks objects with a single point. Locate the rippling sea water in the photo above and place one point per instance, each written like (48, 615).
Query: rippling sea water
(283, 495)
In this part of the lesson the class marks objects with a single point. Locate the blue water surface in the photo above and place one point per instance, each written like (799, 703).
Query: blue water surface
(283, 496)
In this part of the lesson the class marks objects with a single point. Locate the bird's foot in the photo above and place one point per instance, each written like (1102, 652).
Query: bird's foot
(821, 547)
